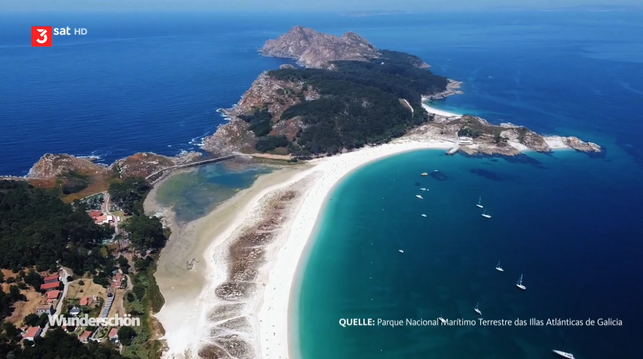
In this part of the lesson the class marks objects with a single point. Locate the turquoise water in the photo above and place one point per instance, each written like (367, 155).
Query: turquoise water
(195, 193)
(567, 221)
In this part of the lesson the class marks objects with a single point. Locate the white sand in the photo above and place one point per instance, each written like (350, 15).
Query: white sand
(186, 324)
(273, 314)
(438, 112)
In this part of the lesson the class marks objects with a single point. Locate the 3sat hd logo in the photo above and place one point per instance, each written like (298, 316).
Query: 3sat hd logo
(42, 36)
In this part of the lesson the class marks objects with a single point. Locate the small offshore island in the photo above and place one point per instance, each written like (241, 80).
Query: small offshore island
(347, 104)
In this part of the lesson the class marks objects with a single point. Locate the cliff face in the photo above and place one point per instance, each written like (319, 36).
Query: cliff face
(266, 92)
(276, 95)
(313, 49)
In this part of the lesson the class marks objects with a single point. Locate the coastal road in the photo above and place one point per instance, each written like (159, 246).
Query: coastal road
(59, 306)
(107, 212)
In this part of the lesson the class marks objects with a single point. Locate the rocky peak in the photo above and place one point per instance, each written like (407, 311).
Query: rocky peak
(314, 49)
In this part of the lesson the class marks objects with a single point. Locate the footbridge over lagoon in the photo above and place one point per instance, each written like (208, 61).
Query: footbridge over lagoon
(153, 178)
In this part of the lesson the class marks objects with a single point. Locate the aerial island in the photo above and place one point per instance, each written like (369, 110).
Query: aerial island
(342, 104)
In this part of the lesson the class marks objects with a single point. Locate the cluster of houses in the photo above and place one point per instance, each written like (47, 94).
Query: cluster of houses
(86, 336)
(53, 294)
(33, 332)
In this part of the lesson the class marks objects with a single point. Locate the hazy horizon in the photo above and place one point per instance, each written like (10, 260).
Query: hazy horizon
(299, 5)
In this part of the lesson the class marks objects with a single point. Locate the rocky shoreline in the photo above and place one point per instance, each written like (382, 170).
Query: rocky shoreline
(453, 88)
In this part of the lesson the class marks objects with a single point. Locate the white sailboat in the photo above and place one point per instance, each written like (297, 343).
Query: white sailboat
(479, 205)
(418, 196)
(498, 268)
(562, 353)
(477, 310)
(423, 215)
(485, 215)
(442, 320)
(422, 189)
(519, 284)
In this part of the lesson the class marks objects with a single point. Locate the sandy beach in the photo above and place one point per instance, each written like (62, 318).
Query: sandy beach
(199, 320)
(274, 330)
(438, 112)
(237, 299)
(182, 289)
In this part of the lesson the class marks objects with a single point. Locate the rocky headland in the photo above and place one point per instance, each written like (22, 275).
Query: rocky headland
(79, 176)
(288, 101)
(474, 135)
(348, 94)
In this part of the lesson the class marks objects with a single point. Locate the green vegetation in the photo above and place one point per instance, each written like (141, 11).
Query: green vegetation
(37, 228)
(126, 334)
(8, 299)
(269, 143)
(144, 299)
(145, 232)
(468, 132)
(57, 344)
(359, 104)
(260, 122)
(130, 194)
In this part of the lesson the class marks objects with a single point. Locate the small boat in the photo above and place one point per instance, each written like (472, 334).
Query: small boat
(485, 215)
(401, 251)
(498, 268)
(423, 215)
(479, 205)
(424, 174)
(442, 320)
(436, 171)
(562, 353)
(519, 284)
(422, 189)
(477, 310)
(418, 196)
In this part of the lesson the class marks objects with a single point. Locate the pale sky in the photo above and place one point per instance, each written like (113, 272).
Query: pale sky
(296, 5)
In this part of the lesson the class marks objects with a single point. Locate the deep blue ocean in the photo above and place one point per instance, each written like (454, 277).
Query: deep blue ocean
(569, 222)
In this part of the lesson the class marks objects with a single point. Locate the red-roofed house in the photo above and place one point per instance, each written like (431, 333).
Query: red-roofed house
(32, 333)
(87, 301)
(104, 219)
(95, 214)
(113, 335)
(51, 278)
(52, 295)
(117, 282)
(84, 338)
(50, 286)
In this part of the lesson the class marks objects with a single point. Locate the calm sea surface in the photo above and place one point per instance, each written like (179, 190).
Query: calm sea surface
(569, 222)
